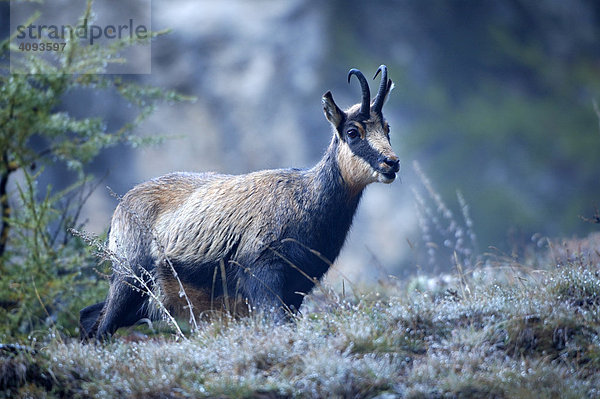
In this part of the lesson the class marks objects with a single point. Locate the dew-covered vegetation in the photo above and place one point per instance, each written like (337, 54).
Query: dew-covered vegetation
(496, 326)
(516, 332)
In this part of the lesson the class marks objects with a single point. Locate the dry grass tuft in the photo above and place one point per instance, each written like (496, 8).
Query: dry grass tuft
(519, 333)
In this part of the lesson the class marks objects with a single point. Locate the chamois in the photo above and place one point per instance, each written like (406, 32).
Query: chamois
(262, 239)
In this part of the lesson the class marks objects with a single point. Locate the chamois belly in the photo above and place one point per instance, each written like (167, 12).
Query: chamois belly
(205, 300)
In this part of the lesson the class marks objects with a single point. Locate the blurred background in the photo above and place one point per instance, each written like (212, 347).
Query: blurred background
(493, 99)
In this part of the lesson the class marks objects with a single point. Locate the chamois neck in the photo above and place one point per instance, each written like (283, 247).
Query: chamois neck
(331, 205)
(328, 174)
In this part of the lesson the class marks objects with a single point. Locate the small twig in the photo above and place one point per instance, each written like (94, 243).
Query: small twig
(314, 280)
(464, 285)
(597, 110)
(8, 169)
(290, 263)
(39, 298)
(323, 258)
(595, 217)
(82, 200)
(224, 283)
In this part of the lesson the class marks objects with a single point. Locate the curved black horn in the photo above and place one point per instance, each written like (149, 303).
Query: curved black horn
(383, 88)
(365, 107)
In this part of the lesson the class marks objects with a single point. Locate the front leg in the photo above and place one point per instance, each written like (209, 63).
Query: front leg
(263, 285)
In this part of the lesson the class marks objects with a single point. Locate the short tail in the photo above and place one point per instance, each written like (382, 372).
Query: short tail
(89, 319)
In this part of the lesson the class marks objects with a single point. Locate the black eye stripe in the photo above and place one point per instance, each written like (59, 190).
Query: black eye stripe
(363, 149)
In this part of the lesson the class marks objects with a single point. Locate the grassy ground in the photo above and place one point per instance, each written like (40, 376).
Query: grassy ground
(502, 330)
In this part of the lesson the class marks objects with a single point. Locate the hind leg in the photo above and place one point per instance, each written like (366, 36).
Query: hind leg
(124, 306)
(89, 318)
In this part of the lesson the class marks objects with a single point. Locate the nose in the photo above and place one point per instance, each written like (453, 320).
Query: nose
(392, 161)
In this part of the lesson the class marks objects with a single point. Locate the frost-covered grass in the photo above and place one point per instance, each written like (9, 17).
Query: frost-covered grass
(502, 331)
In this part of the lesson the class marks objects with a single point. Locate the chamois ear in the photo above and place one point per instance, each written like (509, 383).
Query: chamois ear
(332, 112)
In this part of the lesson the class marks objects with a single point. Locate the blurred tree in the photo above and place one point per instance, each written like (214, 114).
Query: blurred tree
(498, 98)
(45, 273)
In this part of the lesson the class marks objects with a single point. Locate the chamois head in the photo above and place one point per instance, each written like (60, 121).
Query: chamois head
(364, 151)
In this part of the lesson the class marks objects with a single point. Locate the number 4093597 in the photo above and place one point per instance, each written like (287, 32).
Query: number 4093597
(42, 46)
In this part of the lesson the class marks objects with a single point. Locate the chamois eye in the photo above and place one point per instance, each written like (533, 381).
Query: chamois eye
(352, 133)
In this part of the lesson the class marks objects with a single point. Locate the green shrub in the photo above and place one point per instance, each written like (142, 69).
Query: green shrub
(46, 274)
